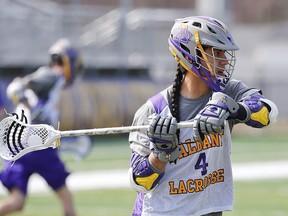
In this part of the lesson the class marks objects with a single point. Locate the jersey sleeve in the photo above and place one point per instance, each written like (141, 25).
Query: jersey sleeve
(238, 90)
(255, 110)
(139, 141)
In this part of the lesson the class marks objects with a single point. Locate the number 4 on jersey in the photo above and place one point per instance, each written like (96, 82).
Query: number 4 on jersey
(201, 163)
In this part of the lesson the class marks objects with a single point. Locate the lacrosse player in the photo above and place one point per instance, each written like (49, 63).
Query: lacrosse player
(188, 171)
(38, 95)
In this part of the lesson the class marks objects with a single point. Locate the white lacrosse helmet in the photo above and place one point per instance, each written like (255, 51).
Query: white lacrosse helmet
(187, 39)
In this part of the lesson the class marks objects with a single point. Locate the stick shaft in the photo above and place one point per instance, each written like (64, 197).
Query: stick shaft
(114, 130)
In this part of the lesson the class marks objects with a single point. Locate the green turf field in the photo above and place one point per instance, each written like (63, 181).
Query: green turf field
(265, 198)
(252, 198)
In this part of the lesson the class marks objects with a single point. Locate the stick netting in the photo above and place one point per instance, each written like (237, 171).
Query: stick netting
(16, 137)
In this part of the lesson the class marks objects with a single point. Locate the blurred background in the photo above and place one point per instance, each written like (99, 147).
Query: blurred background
(125, 49)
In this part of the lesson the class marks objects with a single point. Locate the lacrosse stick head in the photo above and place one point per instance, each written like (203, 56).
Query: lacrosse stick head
(18, 138)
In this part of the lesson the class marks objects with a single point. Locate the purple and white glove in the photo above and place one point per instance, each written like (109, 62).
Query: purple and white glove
(210, 120)
(163, 138)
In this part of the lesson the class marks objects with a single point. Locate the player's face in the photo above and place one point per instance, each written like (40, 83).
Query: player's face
(217, 61)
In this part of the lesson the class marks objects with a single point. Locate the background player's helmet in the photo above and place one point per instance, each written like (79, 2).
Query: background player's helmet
(62, 53)
(188, 39)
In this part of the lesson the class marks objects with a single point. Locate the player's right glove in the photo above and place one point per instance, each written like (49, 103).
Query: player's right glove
(15, 91)
(210, 120)
(163, 138)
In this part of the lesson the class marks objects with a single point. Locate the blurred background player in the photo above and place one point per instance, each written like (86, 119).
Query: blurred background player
(188, 171)
(38, 95)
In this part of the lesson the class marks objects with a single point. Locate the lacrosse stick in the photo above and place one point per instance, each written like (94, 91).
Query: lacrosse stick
(18, 138)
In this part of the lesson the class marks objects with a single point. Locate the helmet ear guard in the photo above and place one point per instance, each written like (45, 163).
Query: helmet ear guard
(179, 60)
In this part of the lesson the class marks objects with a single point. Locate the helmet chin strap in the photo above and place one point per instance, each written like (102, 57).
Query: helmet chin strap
(199, 45)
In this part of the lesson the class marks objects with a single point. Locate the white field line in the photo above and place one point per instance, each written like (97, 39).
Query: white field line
(119, 178)
(260, 171)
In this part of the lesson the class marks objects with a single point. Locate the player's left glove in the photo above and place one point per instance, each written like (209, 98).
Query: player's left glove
(210, 120)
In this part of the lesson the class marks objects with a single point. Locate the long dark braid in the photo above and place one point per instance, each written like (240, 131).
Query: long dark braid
(176, 93)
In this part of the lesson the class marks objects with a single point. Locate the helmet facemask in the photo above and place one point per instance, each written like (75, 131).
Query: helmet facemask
(216, 75)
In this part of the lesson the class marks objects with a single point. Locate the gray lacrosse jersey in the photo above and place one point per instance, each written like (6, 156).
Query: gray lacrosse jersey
(201, 181)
